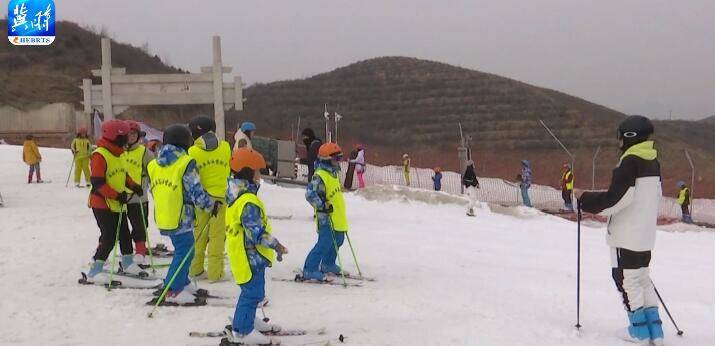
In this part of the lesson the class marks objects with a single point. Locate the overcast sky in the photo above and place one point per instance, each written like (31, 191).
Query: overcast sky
(636, 56)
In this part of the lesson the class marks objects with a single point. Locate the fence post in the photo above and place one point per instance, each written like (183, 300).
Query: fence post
(692, 183)
(593, 166)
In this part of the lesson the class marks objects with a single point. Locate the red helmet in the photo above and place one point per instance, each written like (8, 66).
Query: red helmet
(112, 129)
(82, 131)
(133, 125)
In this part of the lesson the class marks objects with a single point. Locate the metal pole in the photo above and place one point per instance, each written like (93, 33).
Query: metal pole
(217, 70)
(338, 117)
(593, 165)
(692, 183)
(573, 160)
(326, 115)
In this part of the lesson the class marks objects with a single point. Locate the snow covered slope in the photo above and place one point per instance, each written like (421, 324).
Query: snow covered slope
(443, 278)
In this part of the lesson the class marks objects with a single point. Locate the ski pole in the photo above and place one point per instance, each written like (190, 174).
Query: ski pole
(340, 261)
(176, 273)
(353, 252)
(70, 173)
(116, 244)
(146, 234)
(578, 269)
(680, 332)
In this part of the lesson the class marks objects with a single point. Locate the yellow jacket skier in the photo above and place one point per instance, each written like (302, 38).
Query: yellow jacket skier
(81, 149)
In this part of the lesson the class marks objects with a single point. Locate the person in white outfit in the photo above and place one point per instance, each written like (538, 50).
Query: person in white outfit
(243, 135)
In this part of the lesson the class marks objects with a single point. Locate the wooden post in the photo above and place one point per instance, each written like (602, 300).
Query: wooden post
(106, 79)
(218, 88)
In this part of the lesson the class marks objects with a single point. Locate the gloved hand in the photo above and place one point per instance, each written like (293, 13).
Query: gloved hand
(216, 208)
(137, 190)
(478, 186)
(328, 208)
(280, 251)
(123, 198)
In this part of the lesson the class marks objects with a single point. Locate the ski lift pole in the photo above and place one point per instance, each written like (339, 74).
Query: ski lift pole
(327, 124)
(593, 166)
(338, 117)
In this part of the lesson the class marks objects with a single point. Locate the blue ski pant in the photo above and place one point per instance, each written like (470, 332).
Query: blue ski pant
(252, 292)
(323, 254)
(183, 246)
(525, 195)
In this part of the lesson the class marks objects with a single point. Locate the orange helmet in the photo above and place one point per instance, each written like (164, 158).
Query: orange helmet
(438, 169)
(328, 150)
(244, 157)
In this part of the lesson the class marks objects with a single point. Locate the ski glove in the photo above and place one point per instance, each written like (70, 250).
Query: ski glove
(327, 209)
(137, 190)
(280, 251)
(216, 208)
(123, 198)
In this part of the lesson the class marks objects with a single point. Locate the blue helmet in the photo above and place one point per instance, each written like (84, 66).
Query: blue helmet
(525, 163)
(681, 184)
(248, 126)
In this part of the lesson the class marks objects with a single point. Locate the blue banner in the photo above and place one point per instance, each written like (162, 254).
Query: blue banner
(31, 22)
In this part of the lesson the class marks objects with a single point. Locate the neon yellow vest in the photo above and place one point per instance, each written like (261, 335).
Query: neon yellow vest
(681, 196)
(134, 162)
(334, 195)
(116, 176)
(235, 237)
(167, 188)
(213, 168)
(566, 176)
(81, 147)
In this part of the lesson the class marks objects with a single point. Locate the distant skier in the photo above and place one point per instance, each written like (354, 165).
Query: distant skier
(525, 182)
(471, 184)
(244, 135)
(81, 148)
(108, 198)
(567, 182)
(312, 145)
(684, 201)
(325, 195)
(136, 159)
(31, 156)
(437, 179)
(406, 163)
(177, 192)
(251, 247)
(359, 162)
(632, 203)
(212, 157)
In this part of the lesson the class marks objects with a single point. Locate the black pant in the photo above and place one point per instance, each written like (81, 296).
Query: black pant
(107, 222)
(566, 195)
(138, 222)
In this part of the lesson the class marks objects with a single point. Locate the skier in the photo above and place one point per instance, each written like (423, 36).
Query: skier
(525, 182)
(244, 135)
(684, 201)
(177, 191)
(108, 198)
(359, 162)
(567, 181)
(326, 197)
(312, 145)
(632, 203)
(31, 156)
(212, 157)
(81, 148)
(437, 179)
(471, 184)
(136, 159)
(251, 247)
(406, 168)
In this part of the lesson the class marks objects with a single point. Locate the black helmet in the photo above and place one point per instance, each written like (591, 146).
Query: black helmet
(200, 125)
(178, 135)
(634, 129)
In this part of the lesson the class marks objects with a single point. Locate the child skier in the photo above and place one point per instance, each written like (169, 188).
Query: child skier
(108, 198)
(136, 159)
(326, 197)
(81, 148)
(251, 247)
(406, 162)
(632, 205)
(177, 192)
(684, 202)
(437, 179)
(212, 157)
(525, 182)
(359, 162)
(471, 184)
(567, 186)
(31, 156)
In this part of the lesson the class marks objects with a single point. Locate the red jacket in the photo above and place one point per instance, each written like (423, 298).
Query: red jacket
(100, 189)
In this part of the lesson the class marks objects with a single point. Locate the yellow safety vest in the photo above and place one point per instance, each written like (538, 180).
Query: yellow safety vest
(115, 176)
(235, 237)
(566, 177)
(213, 168)
(81, 147)
(334, 195)
(134, 162)
(167, 188)
(681, 195)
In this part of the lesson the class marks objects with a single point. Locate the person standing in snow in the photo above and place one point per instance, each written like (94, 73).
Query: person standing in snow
(437, 179)
(108, 198)
(81, 148)
(471, 184)
(325, 195)
(312, 145)
(244, 135)
(632, 202)
(525, 182)
(406, 162)
(177, 192)
(212, 157)
(251, 247)
(359, 162)
(136, 159)
(31, 156)
(567, 181)
(684, 201)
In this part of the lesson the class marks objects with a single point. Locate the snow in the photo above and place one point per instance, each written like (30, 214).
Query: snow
(506, 277)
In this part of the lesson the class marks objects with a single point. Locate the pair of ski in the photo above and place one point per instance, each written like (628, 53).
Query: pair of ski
(333, 276)
(122, 282)
(282, 333)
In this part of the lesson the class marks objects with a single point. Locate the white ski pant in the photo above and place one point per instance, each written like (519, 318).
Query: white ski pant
(472, 195)
(632, 277)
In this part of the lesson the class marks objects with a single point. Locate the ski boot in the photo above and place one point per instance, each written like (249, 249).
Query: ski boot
(265, 327)
(253, 338)
(655, 326)
(637, 332)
